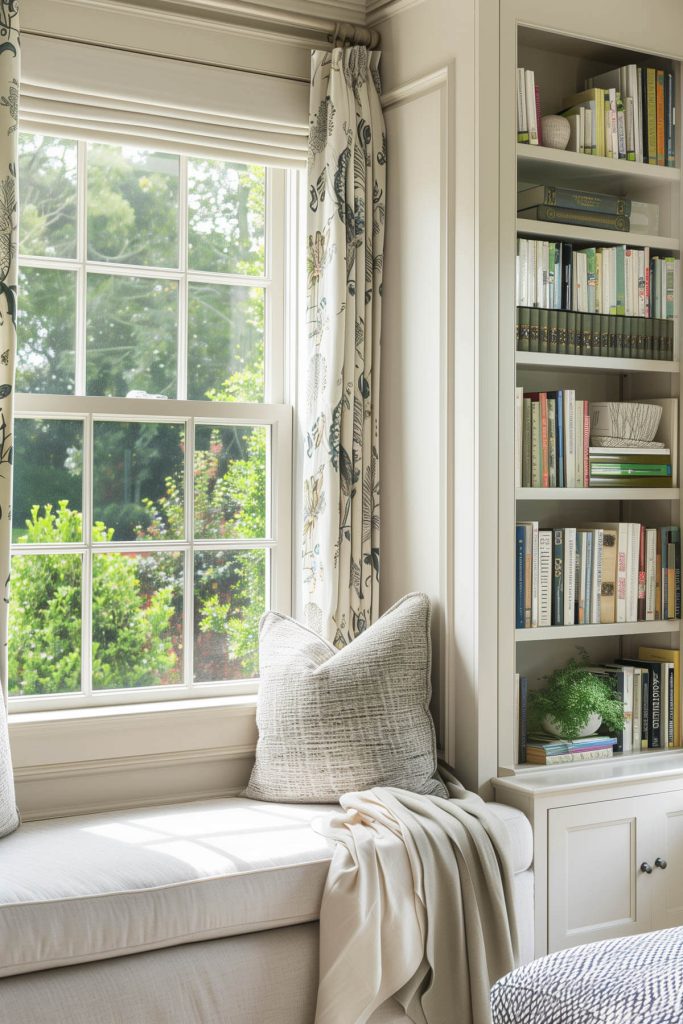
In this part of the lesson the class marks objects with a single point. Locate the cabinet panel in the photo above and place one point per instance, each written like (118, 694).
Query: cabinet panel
(595, 887)
(665, 811)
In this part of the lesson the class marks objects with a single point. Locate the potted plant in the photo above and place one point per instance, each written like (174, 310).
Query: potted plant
(575, 702)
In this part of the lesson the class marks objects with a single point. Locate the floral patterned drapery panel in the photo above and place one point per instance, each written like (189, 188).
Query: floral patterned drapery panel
(9, 114)
(345, 227)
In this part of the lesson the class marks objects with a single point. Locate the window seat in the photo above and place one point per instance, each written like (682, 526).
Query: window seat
(185, 887)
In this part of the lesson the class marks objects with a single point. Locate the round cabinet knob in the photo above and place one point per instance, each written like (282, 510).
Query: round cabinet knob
(660, 863)
(647, 868)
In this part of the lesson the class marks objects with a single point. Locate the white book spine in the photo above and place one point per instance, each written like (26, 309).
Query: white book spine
(581, 566)
(578, 443)
(627, 742)
(519, 414)
(531, 274)
(632, 572)
(569, 436)
(637, 707)
(530, 84)
(650, 573)
(521, 102)
(569, 574)
(597, 576)
(534, 574)
(545, 576)
(622, 559)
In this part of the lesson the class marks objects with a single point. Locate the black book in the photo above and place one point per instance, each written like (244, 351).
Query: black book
(567, 250)
(655, 726)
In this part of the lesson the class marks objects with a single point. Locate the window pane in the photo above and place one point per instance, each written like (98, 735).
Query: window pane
(230, 482)
(225, 342)
(132, 206)
(46, 331)
(229, 599)
(138, 483)
(45, 624)
(137, 620)
(132, 335)
(47, 172)
(48, 468)
(226, 217)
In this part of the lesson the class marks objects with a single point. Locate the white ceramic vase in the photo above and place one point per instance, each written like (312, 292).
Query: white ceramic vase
(555, 130)
(591, 726)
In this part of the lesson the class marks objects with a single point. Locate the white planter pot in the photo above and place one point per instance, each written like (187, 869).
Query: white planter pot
(591, 726)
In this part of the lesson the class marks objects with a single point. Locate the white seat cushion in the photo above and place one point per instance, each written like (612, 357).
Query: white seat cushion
(81, 889)
(97, 886)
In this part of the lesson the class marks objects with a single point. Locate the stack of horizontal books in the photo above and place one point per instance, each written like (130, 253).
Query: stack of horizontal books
(543, 749)
(574, 206)
(629, 467)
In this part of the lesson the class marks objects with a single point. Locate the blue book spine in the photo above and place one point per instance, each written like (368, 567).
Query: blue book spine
(521, 560)
(557, 618)
(559, 415)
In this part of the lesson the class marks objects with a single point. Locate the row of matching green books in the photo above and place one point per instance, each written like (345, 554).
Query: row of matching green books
(561, 332)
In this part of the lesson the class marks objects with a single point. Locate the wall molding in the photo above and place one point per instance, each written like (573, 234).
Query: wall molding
(416, 88)
(382, 10)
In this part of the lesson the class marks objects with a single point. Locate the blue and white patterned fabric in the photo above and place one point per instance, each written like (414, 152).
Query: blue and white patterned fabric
(634, 980)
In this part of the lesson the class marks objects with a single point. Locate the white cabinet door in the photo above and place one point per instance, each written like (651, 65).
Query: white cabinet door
(661, 818)
(596, 889)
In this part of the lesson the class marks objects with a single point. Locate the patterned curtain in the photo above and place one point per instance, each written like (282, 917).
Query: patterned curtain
(9, 114)
(346, 202)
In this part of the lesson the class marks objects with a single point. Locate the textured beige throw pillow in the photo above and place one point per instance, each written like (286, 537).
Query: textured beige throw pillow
(332, 721)
(9, 819)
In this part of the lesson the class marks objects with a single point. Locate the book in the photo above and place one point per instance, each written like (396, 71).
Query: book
(572, 199)
(580, 218)
(522, 694)
(545, 574)
(520, 560)
(654, 732)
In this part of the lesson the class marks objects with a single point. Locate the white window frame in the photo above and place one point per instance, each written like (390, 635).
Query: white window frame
(280, 310)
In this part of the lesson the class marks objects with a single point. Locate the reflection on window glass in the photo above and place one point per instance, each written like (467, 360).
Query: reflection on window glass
(226, 217)
(132, 206)
(230, 482)
(225, 343)
(138, 483)
(132, 332)
(47, 173)
(46, 331)
(229, 600)
(48, 473)
(137, 619)
(45, 621)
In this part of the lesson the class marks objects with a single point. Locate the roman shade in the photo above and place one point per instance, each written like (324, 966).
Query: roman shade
(92, 92)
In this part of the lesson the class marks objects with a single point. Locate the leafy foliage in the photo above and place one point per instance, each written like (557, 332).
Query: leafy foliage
(572, 695)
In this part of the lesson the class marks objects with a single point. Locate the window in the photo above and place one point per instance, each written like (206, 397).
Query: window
(152, 459)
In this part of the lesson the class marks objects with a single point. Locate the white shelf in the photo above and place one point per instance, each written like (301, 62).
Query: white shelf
(594, 364)
(601, 629)
(597, 493)
(539, 164)
(596, 236)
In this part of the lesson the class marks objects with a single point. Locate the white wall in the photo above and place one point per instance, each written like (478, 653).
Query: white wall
(439, 354)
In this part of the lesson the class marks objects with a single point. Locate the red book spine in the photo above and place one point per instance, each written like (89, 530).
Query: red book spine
(642, 576)
(586, 443)
(537, 94)
(543, 399)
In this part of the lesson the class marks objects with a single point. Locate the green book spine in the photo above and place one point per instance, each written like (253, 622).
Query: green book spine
(580, 218)
(669, 340)
(612, 348)
(533, 329)
(552, 331)
(523, 328)
(649, 346)
(574, 199)
(543, 330)
(587, 346)
(571, 334)
(526, 443)
(620, 337)
(562, 332)
(620, 257)
(639, 332)
(628, 337)
(648, 458)
(602, 330)
(633, 481)
(591, 278)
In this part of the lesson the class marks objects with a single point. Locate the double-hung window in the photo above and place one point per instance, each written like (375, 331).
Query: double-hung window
(152, 451)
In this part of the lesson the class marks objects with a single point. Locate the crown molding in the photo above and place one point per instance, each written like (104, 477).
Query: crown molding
(381, 10)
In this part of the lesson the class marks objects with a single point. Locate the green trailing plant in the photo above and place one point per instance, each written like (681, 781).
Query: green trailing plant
(574, 693)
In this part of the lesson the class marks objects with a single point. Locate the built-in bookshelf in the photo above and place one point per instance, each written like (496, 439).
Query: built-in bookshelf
(561, 66)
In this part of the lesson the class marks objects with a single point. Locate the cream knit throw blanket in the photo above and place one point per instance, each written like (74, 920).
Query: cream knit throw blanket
(418, 905)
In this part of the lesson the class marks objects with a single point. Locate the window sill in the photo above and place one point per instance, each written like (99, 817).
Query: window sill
(83, 760)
